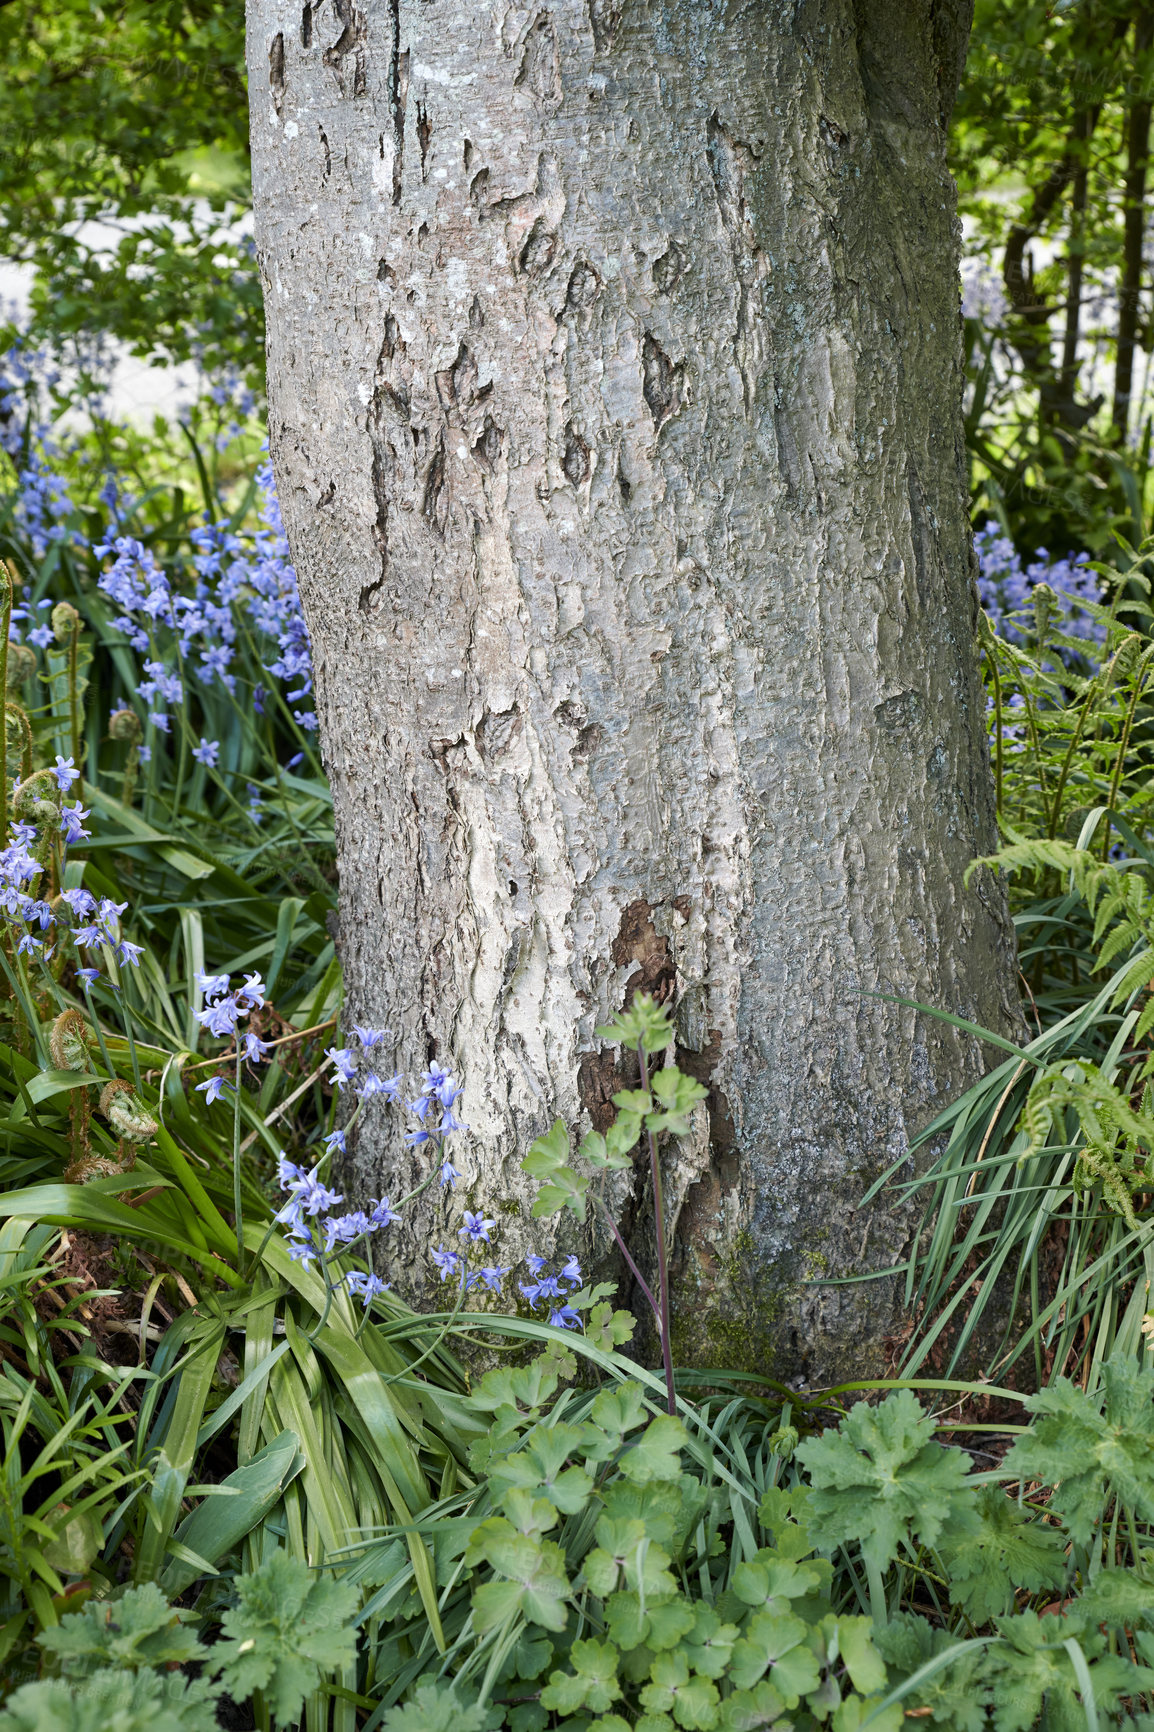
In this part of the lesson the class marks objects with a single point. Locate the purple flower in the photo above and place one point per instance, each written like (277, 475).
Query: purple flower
(129, 953)
(449, 1173)
(42, 636)
(212, 1089)
(220, 1018)
(335, 1140)
(571, 1271)
(536, 1264)
(88, 975)
(302, 1250)
(251, 994)
(254, 1047)
(367, 1286)
(211, 985)
(343, 1063)
(207, 753)
(476, 1228)
(65, 772)
(382, 1213)
(448, 1262)
(493, 1278)
(370, 1036)
(565, 1318)
(28, 946)
(72, 818)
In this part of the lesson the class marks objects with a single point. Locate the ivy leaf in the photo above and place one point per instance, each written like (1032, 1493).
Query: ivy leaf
(956, 1695)
(678, 1094)
(597, 1152)
(644, 1023)
(288, 1629)
(882, 1476)
(655, 1455)
(592, 1684)
(1006, 1550)
(139, 1628)
(1081, 1443)
(434, 1707)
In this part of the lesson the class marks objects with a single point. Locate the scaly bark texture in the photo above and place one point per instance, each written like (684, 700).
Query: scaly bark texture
(615, 380)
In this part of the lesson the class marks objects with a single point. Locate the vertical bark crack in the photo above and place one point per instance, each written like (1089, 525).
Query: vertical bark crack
(398, 96)
(276, 77)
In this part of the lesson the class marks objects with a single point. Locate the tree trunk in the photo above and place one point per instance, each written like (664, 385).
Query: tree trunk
(615, 382)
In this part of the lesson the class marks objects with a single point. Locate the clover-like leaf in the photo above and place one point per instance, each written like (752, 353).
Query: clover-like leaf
(710, 1643)
(881, 1476)
(633, 1100)
(597, 1152)
(540, 1466)
(656, 1455)
(769, 1581)
(564, 1189)
(660, 1622)
(547, 1153)
(677, 1095)
(537, 1586)
(864, 1664)
(758, 1710)
(525, 1388)
(769, 1638)
(528, 1514)
(592, 1683)
(692, 1701)
(620, 1409)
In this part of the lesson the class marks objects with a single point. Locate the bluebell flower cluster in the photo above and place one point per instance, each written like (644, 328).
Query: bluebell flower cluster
(180, 622)
(224, 1009)
(1005, 588)
(309, 1219)
(553, 1286)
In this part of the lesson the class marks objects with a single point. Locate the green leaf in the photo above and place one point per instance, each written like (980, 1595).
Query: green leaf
(709, 1645)
(564, 1189)
(621, 1139)
(528, 1514)
(852, 1712)
(219, 1523)
(881, 1477)
(768, 1640)
(592, 1683)
(751, 1710)
(678, 1094)
(865, 1665)
(525, 1388)
(633, 1100)
(114, 1701)
(662, 1623)
(548, 1152)
(655, 1455)
(1007, 1549)
(692, 1701)
(435, 1707)
(288, 1629)
(643, 1023)
(138, 1629)
(956, 1694)
(621, 1408)
(769, 1581)
(540, 1466)
(1081, 1443)
(597, 1152)
(1033, 1665)
(625, 1547)
(608, 1329)
(538, 1585)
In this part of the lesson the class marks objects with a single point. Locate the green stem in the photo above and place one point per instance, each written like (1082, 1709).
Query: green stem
(237, 1204)
(662, 1258)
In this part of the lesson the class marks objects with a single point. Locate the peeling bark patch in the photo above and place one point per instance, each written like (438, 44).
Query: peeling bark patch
(328, 168)
(669, 269)
(478, 185)
(597, 1083)
(637, 941)
(605, 21)
(386, 274)
(276, 71)
(832, 133)
(487, 450)
(306, 25)
(662, 381)
(496, 732)
(576, 461)
(584, 285)
(435, 504)
(539, 250)
(350, 42)
(540, 68)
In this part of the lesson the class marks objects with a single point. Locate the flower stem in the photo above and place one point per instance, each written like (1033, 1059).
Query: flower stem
(662, 1257)
(237, 1204)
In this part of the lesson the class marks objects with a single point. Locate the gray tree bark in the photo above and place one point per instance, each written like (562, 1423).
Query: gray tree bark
(615, 386)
